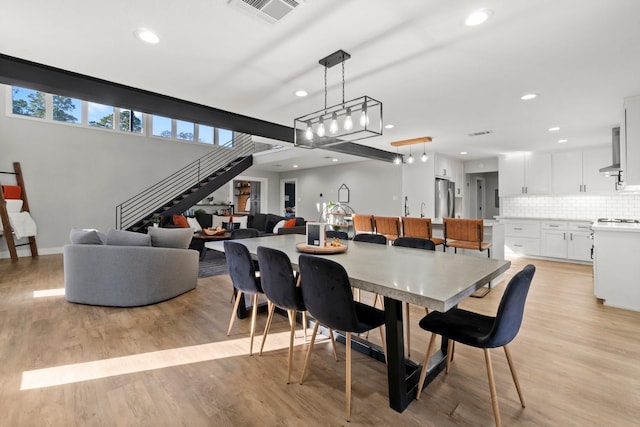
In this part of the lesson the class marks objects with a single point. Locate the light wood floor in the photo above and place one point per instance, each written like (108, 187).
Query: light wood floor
(171, 364)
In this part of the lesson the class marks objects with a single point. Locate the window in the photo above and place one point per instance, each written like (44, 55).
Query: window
(28, 102)
(67, 109)
(184, 130)
(225, 137)
(205, 134)
(99, 115)
(128, 125)
(161, 126)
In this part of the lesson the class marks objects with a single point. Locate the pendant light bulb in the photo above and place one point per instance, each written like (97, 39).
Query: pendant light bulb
(309, 132)
(410, 159)
(333, 128)
(364, 118)
(348, 121)
(320, 131)
(396, 161)
(424, 157)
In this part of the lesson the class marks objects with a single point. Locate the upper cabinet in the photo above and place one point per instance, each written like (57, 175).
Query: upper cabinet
(576, 172)
(444, 167)
(524, 174)
(630, 143)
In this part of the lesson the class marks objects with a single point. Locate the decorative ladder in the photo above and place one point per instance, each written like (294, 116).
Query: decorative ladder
(6, 225)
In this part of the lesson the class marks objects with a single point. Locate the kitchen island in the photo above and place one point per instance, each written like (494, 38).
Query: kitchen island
(616, 264)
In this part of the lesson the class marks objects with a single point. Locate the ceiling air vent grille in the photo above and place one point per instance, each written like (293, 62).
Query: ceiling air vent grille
(270, 10)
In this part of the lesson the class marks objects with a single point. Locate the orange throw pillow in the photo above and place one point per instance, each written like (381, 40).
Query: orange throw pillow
(180, 221)
(290, 223)
(11, 191)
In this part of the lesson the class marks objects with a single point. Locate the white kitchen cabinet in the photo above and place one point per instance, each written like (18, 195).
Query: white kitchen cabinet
(444, 167)
(522, 237)
(459, 180)
(630, 143)
(524, 174)
(577, 172)
(566, 240)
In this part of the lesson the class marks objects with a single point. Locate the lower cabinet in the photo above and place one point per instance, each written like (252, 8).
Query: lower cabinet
(567, 240)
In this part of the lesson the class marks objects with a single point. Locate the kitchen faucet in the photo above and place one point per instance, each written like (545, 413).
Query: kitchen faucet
(422, 205)
(406, 206)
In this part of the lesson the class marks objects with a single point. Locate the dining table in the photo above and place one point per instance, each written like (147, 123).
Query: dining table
(432, 279)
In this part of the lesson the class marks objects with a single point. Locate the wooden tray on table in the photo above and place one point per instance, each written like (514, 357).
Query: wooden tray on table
(320, 250)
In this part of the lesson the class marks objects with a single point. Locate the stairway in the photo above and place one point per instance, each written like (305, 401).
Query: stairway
(186, 187)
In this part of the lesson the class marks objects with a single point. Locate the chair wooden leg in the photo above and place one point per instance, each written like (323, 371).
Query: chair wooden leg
(449, 355)
(425, 366)
(492, 387)
(254, 316)
(272, 308)
(309, 350)
(347, 380)
(235, 310)
(514, 375)
(407, 322)
(333, 344)
(292, 321)
(304, 324)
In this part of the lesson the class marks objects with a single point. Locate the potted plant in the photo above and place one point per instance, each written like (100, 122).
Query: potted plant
(155, 221)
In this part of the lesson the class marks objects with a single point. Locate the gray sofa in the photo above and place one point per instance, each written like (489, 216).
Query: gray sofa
(127, 276)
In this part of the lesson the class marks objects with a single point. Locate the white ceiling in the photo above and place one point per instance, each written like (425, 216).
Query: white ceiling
(435, 76)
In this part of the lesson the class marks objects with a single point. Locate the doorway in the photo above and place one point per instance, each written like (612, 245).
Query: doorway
(480, 198)
(288, 196)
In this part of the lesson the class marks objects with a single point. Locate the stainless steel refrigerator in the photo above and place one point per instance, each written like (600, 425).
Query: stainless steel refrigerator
(445, 198)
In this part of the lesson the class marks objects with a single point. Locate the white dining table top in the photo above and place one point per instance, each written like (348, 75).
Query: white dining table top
(432, 279)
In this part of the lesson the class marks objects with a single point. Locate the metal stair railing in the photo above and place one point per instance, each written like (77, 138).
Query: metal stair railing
(193, 175)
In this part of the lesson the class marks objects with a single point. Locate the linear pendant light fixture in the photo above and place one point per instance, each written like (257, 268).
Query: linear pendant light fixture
(347, 121)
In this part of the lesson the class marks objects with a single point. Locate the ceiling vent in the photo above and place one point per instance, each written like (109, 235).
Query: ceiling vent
(482, 132)
(270, 10)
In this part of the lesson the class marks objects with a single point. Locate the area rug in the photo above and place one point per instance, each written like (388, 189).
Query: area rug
(213, 264)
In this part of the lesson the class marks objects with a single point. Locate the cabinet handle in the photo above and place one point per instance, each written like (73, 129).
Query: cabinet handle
(517, 246)
(585, 187)
(564, 236)
(517, 228)
(570, 236)
(554, 226)
(445, 172)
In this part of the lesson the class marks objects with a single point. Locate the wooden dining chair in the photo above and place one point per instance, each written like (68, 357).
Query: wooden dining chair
(362, 223)
(480, 331)
(465, 234)
(415, 243)
(245, 281)
(420, 227)
(327, 294)
(388, 226)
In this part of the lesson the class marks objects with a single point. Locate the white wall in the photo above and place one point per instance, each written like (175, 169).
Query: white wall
(375, 187)
(418, 184)
(75, 176)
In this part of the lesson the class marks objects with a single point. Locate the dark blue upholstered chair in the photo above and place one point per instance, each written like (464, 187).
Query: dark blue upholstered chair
(280, 286)
(370, 238)
(482, 331)
(342, 235)
(244, 233)
(245, 281)
(328, 297)
(415, 243)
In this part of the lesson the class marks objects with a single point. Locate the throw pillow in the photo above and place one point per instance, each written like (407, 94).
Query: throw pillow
(170, 237)
(80, 236)
(127, 238)
(193, 223)
(217, 220)
(180, 221)
(14, 205)
(12, 191)
(279, 225)
(290, 223)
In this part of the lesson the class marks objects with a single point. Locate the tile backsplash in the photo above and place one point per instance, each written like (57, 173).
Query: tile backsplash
(572, 207)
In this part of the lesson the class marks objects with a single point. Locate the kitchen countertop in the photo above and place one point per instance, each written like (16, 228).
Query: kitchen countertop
(616, 226)
(486, 222)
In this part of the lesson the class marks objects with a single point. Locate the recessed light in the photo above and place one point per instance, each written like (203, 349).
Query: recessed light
(560, 141)
(146, 35)
(478, 17)
(295, 166)
(389, 126)
(554, 129)
(529, 96)
(301, 93)
(334, 160)
(463, 152)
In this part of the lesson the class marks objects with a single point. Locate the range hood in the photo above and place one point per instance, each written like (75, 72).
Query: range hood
(615, 155)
